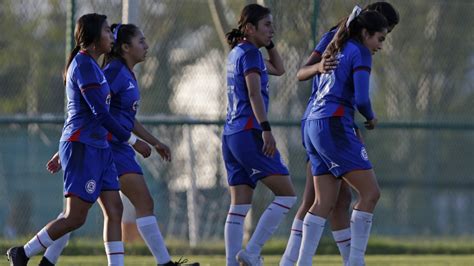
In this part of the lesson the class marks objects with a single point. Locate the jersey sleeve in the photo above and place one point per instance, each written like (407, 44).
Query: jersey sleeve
(251, 62)
(361, 66)
(88, 76)
(324, 42)
(91, 82)
(98, 106)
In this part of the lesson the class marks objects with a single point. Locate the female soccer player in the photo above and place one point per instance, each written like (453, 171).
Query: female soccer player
(334, 149)
(339, 217)
(130, 48)
(89, 170)
(248, 146)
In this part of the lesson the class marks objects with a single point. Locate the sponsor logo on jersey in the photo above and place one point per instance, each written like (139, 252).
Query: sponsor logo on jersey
(363, 154)
(255, 171)
(90, 186)
(130, 86)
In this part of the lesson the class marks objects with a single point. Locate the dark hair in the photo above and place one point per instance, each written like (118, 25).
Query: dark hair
(250, 14)
(87, 31)
(387, 10)
(123, 33)
(372, 21)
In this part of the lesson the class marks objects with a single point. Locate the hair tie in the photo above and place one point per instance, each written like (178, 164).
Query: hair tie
(355, 12)
(116, 30)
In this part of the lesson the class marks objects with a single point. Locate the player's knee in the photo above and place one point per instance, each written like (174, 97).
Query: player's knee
(145, 206)
(305, 205)
(114, 212)
(74, 222)
(372, 196)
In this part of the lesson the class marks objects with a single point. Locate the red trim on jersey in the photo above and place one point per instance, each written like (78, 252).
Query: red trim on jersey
(253, 70)
(91, 86)
(361, 68)
(109, 136)
(339, 111)
(236, 214)
(75, 136)
(249, 124)
(281, 205)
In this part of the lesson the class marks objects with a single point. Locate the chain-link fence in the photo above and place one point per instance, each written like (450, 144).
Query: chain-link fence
(422, 91)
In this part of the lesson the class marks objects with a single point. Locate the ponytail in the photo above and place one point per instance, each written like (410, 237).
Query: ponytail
(234, 37)
(352, 27)
(87, 31)
(71, 56)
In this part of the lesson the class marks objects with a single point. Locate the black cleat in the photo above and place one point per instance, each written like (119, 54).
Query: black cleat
(45, 262)
(180, 262)
(17, 257)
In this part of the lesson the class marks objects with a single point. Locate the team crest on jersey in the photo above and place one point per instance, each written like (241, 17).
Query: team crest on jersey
(135, 105)
(90, 186)
(363, 154)
(108, 99)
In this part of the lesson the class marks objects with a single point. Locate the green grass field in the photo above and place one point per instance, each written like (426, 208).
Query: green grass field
(329, 260)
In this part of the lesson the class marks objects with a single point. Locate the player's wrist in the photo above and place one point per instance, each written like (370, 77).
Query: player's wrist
(265, 125)
(270, 46)
(132, 140)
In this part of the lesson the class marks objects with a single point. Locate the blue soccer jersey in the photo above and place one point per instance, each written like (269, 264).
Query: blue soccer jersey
(340, 90)
(123, 108)
(243, 59)
(88, 102)
(125, 94)
(319, 49)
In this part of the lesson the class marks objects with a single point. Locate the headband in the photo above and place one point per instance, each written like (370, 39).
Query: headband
(355, 12)
(116, 30)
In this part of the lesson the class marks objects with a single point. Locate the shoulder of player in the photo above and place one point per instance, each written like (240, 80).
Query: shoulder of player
(357, 49)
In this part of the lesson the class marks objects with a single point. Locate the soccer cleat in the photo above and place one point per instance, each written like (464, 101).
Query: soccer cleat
(180, 262)
(248, 260)
(17, 257)
(45, 262)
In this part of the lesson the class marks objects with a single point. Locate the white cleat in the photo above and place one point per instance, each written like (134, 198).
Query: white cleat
(248, 260)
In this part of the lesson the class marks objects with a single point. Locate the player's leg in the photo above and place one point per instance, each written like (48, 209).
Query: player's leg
(52, 253)
(135, 188)
(290, 256)
(326, 189)
(340, 222)
(276, 211)
(75, 216)
(365, 183)
(241, 192)
(112, 208)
